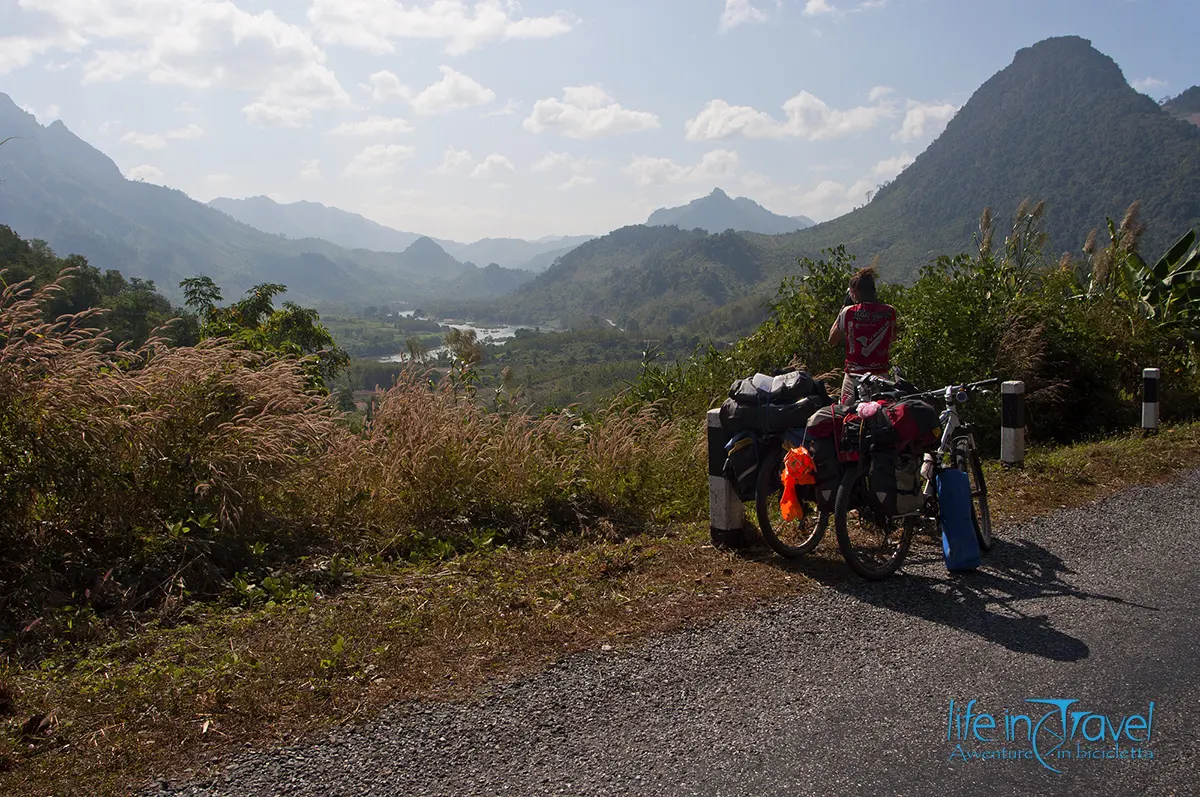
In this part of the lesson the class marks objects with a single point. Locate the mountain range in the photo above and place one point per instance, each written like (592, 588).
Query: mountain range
(56, 187)
(353, 231)
(718, 212)
(1059, 124)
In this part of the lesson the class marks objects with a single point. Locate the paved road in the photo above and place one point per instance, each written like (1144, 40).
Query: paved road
(842, 692)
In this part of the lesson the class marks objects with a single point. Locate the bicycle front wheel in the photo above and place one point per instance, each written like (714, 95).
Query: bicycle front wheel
(788, 538)
(873, 546)
(966, 459)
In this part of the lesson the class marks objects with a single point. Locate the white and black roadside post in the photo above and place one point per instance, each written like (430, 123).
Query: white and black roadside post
(1012, 424)
(727, 516)
(1150, 400)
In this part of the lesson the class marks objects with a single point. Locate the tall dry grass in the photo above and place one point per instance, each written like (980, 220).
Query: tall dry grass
(133, 476)
(433, 460)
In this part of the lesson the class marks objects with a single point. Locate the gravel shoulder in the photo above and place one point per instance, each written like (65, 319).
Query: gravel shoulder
(842, 691)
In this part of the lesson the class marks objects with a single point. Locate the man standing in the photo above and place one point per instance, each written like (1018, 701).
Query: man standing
(867, 328)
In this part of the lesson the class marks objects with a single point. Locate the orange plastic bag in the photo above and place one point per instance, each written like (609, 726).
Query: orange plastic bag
(798, 469)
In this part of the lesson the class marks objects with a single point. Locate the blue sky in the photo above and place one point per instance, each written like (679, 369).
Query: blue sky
(466, 119)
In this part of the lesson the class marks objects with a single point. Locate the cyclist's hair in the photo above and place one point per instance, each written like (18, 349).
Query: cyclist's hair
(863, 283)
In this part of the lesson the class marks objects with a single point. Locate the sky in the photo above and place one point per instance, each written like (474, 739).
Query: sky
(465, 119)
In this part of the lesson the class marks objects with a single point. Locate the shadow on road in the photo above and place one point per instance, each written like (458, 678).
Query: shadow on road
(992, 602)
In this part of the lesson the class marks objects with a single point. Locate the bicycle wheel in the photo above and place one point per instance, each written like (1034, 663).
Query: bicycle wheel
(966, 459)
(788, 538)
(872, 550)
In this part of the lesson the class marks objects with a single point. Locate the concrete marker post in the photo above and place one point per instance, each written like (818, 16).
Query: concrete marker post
(1012, 424)
(1150, 377)
(727, 515)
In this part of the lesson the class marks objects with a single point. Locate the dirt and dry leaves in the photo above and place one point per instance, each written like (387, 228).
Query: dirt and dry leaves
(107, 715)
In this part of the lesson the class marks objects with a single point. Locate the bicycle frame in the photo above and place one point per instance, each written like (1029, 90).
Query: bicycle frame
(952, 425)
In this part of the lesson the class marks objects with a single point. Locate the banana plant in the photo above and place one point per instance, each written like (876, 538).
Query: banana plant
(1167, 293)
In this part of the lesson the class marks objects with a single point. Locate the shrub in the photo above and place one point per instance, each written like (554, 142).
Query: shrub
(138, 472)
(433, 459)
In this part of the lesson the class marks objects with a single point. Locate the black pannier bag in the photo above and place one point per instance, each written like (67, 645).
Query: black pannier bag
(881, 482)
(824, 454)
(908, 484)
(783, 389)
(737, 417)
(877, 429)
(822, 423)
(741, 464)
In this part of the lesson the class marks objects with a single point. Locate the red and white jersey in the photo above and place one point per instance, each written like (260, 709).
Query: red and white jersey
(869, 328)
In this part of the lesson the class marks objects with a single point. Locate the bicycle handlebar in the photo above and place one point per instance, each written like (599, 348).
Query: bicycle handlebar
(870, 379)
(967, 387)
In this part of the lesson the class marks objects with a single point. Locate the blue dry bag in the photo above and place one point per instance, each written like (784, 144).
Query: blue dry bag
(960, 547)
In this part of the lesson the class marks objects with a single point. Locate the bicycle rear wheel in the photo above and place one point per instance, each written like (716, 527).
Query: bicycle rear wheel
(966, 459)
(788, 538)
(874, 547)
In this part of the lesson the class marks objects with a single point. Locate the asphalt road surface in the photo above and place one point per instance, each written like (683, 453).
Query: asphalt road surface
(845, 691)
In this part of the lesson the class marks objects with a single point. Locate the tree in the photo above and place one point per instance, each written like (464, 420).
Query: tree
(290, 331)
(465, 346)
(416, 349)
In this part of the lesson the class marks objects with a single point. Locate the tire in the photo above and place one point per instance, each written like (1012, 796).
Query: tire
(966, 458)
(790, 539)
(870, 568)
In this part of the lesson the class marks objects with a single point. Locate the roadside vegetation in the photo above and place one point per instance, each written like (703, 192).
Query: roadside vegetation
(200, 548)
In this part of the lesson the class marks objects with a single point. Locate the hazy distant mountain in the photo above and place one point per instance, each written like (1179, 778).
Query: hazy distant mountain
(492, 280)
(514, 253)
(314, 220)
(1186, 106)
(718, 212)
(56, 187)
(1059, 124)
(427, 256)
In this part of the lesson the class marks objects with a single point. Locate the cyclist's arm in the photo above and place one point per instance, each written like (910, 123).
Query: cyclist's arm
(836, 333)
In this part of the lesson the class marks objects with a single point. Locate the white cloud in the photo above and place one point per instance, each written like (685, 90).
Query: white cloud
(587, 112)
(453, 92)
(455, 161)
(814, 7)
(492, 166)
(373, 126)
(578, 181)
(310, 169)
(807, 117)
(144, 140)
(145, 172)
(738, 12)
(888, 168)
(188, 133)
(563, 160)
(17, 52)
(645, 170)
(879, 92)
(1144, 85)
(379, 160)
(157, 141)
(373, 25)
(386, 86)
(510, 107)
(201, 44)
(830, 199)
(755, 181)
(265, 115)
(923, 119)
